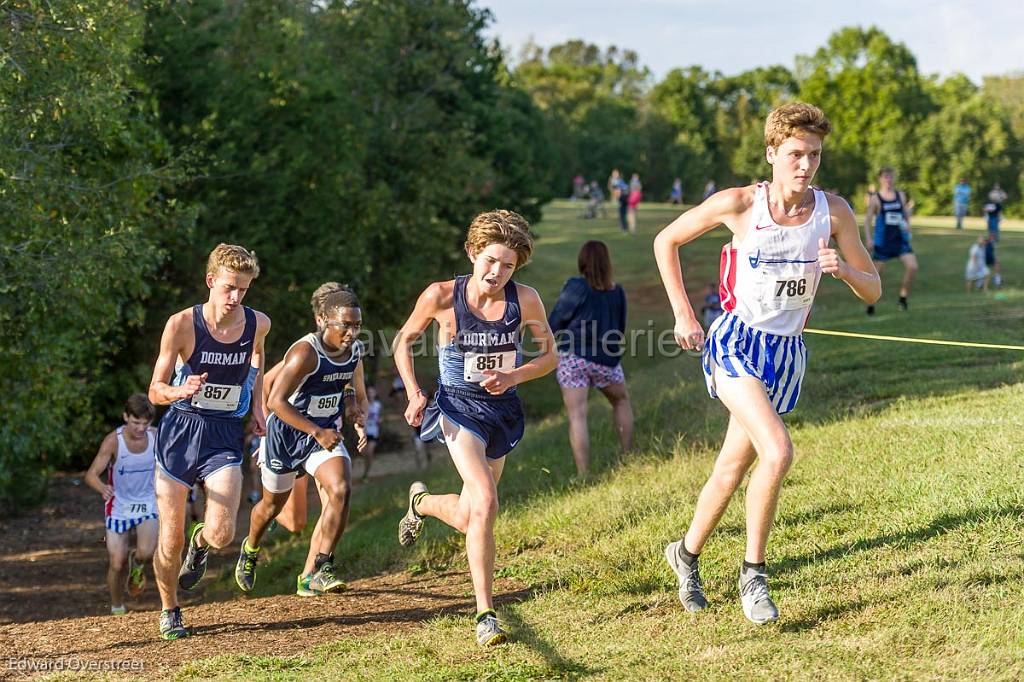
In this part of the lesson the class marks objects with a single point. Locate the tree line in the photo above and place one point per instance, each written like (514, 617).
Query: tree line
(603, 111)
(353, 141)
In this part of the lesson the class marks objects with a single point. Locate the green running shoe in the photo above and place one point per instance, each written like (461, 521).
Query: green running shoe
(136, 575)
(302, 587)
(194, 567)
(411, 525)
(171, 626)
(324, 581)
(245, 569)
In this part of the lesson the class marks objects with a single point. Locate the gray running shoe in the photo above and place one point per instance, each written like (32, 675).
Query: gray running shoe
(323, 581)
(758, 607)
(194, 567)
(411, 525)
(691, 590)
(171, 626)
(488, 632)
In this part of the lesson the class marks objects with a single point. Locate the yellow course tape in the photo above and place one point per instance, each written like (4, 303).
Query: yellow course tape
(904, 339)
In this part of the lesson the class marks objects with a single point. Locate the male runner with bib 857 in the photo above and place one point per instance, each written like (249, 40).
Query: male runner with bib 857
(754, 358)
(215, 351)
(481, 317)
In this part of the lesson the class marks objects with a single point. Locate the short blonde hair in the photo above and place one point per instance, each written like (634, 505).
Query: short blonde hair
(507, 228)
(795, 120)
(234, 258)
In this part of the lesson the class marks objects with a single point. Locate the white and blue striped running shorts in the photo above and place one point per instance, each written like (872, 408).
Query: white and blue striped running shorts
(742, 351)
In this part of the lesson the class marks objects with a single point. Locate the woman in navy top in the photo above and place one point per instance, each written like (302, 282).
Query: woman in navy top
(589, 324)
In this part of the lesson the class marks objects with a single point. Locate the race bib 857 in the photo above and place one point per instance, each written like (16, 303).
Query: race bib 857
(222, 397)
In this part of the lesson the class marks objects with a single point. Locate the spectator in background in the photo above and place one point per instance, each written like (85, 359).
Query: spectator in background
(976, 273)
(992, 261)
(595, 202)
(712, 309)
(994, 209)
(372, 430)
(623, 205)
(636, 193)
(676, 197)
(579, 185)
(709, 189)
(589, 323)
(614, 185)
(961, 198)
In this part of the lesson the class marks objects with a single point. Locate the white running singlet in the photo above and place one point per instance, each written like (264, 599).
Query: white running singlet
(769, 279)
(131, 476)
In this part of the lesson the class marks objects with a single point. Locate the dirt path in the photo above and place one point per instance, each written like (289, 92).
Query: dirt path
(54, 601)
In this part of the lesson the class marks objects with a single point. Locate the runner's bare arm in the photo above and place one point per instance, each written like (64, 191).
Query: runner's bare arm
(536, 321)
(857, 270)
(726, 207)
(172, 344)
(429, 305)
(268, 381)
(258, 360)
(106, 453)
(362, 405)
(299, 361)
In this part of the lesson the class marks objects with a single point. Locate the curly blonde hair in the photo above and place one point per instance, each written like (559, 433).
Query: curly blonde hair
(234, 258)
(794, 120)
(507, 228)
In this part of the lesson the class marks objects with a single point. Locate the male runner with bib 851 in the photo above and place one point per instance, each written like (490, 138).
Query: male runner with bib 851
(476, 412)
(215, 351)
(754, 357)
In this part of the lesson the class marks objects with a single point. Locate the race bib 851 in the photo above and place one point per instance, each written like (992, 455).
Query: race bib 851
(477, 363)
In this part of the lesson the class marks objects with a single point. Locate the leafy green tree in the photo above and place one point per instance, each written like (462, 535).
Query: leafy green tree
(870, 88)
(81, 172)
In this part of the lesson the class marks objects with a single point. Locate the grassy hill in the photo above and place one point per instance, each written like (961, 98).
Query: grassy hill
(896, 553)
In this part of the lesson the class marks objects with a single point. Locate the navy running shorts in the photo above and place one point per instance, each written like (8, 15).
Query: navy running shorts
(496, 420)
(893, 248)
(190, 446)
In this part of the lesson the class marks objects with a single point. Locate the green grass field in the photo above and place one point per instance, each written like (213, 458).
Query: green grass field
(896, 553)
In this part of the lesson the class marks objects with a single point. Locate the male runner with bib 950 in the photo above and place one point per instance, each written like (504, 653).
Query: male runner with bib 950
(754, 358)
(476, 412)
(305, 400)
(215, 352)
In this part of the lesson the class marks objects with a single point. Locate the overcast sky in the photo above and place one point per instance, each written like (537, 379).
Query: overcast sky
(974, 38)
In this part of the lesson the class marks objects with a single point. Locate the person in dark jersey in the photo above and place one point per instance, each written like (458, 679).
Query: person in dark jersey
(305, 401)
(476, 411)
(886, 232)
(209, 371)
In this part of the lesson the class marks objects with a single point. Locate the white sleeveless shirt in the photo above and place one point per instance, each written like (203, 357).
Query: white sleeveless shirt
(131, 475)
(769, 279)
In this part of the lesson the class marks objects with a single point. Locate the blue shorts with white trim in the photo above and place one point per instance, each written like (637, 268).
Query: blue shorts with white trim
(191, 447)
(742, 351)
(496, 420)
